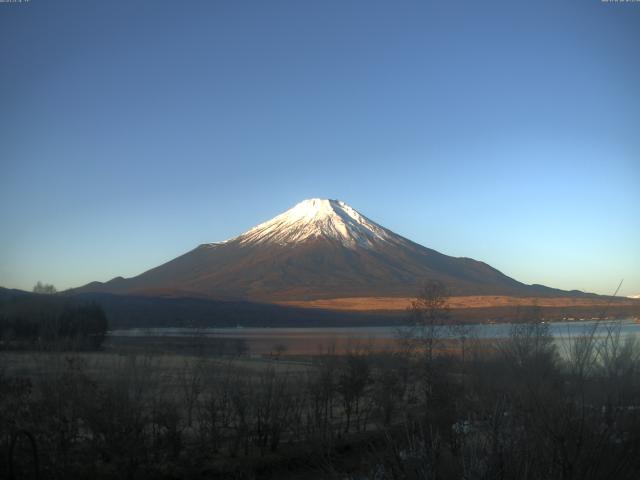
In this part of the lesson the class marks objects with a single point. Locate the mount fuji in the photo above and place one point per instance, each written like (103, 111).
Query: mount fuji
(319, 249)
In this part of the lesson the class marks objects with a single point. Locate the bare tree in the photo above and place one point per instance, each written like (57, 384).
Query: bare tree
(428, 312)
(44, 288)
(428, 315)
(190, 379)
(354, 377)
(463, 332)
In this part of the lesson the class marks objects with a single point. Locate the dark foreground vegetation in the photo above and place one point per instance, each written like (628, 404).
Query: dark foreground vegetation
(526, 407)
(523, 408)
(44, 321)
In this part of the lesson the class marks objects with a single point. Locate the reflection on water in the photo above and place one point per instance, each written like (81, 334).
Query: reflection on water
(486, 331)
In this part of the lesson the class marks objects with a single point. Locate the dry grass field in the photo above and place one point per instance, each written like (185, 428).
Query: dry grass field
(461, 302)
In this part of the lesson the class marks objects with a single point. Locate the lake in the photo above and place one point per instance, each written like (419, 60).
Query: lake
(315, 340)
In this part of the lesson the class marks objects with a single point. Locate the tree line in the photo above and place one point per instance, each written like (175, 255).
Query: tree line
(30, 321)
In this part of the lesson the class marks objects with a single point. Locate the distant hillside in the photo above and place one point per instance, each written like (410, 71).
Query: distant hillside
(130, 311)
(143, 311)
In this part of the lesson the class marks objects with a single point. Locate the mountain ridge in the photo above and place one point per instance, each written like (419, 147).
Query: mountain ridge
(318, 249)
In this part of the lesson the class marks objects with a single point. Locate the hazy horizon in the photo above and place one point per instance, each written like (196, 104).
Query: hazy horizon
(504, 132)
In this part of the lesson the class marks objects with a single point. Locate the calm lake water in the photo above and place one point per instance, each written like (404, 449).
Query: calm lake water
(486, 331)
(315, 340)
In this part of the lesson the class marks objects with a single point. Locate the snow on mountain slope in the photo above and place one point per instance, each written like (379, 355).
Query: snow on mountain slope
(317, 217)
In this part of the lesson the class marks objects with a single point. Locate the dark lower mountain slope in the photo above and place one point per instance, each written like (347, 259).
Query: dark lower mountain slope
(312, 270)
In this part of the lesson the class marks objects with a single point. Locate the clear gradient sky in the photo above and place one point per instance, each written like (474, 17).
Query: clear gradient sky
(507, 131)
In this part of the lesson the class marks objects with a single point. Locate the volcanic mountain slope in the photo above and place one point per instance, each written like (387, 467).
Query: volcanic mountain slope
(318, 249)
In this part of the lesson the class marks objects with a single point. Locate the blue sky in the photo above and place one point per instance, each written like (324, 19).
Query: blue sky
(132, 131)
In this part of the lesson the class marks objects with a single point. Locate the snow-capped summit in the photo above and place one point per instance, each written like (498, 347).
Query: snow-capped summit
(316, 217)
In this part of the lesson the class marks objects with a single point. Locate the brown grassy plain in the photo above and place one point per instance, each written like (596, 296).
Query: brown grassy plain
(458, 302)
